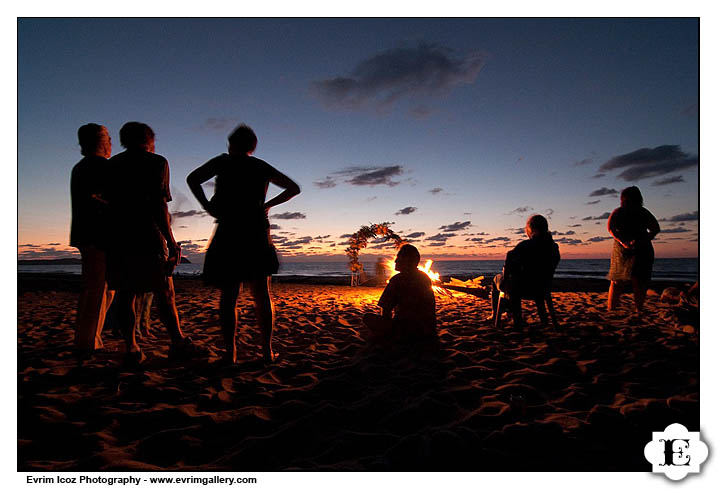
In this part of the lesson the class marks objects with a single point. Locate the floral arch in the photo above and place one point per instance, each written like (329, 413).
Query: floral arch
(360, 239)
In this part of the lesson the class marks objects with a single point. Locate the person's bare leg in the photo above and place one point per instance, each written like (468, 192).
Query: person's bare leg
(614, 296)
(639, 294)
(228, 321)
(125, 316)
(167, 310)
(265, 314)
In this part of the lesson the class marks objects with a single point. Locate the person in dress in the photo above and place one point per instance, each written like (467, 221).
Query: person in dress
(633, 227)
(241, 249)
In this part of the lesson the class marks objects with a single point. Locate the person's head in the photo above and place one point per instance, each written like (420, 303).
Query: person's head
(137, 136)
(631, 197)
(536, 225)
(94, 140)
(408, 258)
(242, 141)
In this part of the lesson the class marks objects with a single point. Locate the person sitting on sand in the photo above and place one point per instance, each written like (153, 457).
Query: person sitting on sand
(410, 297)
(528, 271)
(143, 252)
(633, 227)
(88, 233)
(241, 249)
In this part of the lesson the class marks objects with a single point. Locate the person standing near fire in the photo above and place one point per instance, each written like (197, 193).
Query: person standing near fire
(241, 249)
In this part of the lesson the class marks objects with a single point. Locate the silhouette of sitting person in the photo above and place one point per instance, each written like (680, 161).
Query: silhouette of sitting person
(528, 272)
(88, 232)
(143, 252)
(241, 249)
(407, 303)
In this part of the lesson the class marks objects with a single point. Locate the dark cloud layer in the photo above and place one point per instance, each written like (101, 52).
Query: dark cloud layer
(603, 216)
(521, 210)
(650, 162)
(441, 237)
(603, 191)
(682, 217)
(406, 210)
(363, 176)
(456, 226)
(295, 215)
(188, 214)
(384, 78)
(668, 180)
(416, 234)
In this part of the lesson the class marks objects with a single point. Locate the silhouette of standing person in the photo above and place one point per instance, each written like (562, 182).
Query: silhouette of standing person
(633, 227)
(143, 252)
(88, 234)
(241, 249)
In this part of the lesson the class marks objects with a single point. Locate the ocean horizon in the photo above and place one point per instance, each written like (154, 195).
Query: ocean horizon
(682, 269)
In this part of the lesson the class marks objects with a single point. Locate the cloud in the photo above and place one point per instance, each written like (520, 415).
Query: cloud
(568, 241)
(521, 210)
(574, 226)
(590, 203)
(441, 237)
(416, 234)
(497, 239)
(563, 233)
(549, 212)
(585, 161)
(603, 216)
(384, 78)
(436, 190)
(188, 214)
(682, 217)
(275, 227)
(597, 239)
(406, 210)
(679, 229)
(456, 226)
(650, 162)
(668, 180)
(326, 183)
(295, 215)
(362, 176)
(598, 175)
(603, 191)
(299, 241)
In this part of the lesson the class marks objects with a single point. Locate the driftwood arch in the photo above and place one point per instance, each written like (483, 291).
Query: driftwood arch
(360, 240)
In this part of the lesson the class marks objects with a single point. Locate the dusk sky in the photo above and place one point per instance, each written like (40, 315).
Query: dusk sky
(455, 130)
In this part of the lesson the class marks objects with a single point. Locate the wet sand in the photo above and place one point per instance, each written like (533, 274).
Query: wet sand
(585, 398)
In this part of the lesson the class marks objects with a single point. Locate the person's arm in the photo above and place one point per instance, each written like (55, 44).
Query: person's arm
(195, 180)
(613, 230)
(162, 216)
(653, 227)
(290, 187)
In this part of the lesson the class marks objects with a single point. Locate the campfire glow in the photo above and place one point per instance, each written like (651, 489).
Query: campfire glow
(426, 269)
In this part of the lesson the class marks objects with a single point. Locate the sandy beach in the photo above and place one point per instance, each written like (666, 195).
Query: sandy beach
(585, 398)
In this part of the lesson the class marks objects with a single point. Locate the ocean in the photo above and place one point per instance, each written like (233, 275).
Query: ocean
(683, 270)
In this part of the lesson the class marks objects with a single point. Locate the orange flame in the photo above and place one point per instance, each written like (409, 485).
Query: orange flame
(426, 269)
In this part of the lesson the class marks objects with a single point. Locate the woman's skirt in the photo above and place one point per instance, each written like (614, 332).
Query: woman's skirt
(627, 264)
(239, 253)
